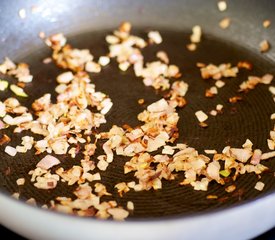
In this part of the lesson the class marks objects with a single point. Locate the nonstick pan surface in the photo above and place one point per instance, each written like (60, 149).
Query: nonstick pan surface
(247, 119)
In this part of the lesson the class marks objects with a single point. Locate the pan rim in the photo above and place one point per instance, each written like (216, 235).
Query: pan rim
(176, 217)
(248, 221)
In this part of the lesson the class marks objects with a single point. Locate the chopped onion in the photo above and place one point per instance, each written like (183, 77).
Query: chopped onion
(130, 205)
(241, 154)
(3, 85)
(196, 34)
(210, 151)
(2, 125)
(118, 213)
(155, 37)
(65, 77)
(104, 61)
(158, 106)
(48, 162)
(268, 155)
(20, 181)
(10, 150)
(259, 186)
(222, 5)
(201, 116)
(256, 157)
(213, 170)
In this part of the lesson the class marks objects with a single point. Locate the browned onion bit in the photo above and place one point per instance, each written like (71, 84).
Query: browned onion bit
(253, 81)
(264, 46)
(225, 23)
(266, 23)
(217, 72)
(4, 139)
(245, 64)
(235, 99)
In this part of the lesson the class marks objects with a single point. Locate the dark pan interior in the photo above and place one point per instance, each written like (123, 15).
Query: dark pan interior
(247, 119)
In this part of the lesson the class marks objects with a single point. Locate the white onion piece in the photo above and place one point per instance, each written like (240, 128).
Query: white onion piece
(48, 162)
(10, 150)
(241, 154)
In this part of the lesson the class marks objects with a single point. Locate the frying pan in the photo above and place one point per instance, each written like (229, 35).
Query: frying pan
(175, 212)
